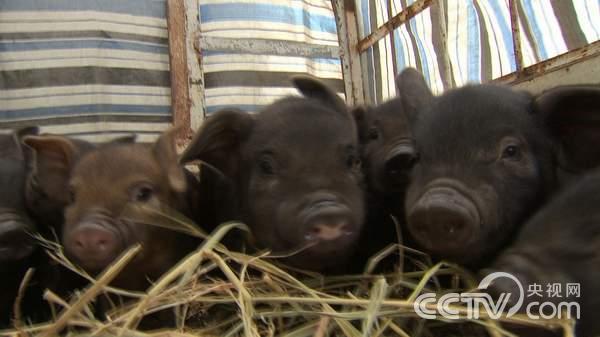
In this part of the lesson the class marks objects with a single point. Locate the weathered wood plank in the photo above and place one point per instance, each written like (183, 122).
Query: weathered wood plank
(395, 22)
(347, 27)
(196, 81)
(267, 47)
(556, 63)
(180, 98)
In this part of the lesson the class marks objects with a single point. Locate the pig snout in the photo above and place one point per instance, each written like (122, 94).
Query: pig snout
(443, 219)
(328, 219)
(16, 242)
(398, 162)
(94, 246)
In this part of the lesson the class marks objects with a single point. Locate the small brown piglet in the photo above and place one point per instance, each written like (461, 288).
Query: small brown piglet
(102, 186)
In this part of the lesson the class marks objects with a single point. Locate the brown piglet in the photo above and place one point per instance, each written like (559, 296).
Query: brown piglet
(102, 186)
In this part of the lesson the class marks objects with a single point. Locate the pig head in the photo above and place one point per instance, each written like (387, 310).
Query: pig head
(560, 244)
(488, 157)
(388, 154)
(387, 147)
(296, 170)
(46, 192)
(101, 185)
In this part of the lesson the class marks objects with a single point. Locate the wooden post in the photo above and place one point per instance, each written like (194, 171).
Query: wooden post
(180, 98)
(347, 27)
(194, 62)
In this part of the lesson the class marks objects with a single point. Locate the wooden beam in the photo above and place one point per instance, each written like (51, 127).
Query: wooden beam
(586, 71)
(268, 47)
(395, 22)
(347, 29)
(180, 98)
(553, 64)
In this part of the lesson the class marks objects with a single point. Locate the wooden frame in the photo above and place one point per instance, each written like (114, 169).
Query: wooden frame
(185, 39)
(345, 17)
(556, 63)
(521, 74)
(180, 94)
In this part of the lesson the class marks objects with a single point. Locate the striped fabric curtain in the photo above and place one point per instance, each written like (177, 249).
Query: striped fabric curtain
(85, 68)
(478, 45)
(250, 81)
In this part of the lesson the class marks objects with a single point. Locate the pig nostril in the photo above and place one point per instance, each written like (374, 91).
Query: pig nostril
(400, 158)
(400, 163)
(102, 244)
(313, 233)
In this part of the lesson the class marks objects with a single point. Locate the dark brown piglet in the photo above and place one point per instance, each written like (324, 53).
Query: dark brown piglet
(103, 184)
(488, 157)
(388, 154)
(387, 147)
(18, 248)
(559, 245)
(296, 174)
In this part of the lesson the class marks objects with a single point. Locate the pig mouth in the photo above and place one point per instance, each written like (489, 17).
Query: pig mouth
(328, 228)
(16, 242)
(445, 220)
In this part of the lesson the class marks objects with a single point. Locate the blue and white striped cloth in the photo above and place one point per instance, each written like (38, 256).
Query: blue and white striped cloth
(96, 69)
(251, 81)
(86, 68)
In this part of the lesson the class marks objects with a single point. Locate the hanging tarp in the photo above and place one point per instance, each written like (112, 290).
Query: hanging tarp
(250, 79)
(92, 69)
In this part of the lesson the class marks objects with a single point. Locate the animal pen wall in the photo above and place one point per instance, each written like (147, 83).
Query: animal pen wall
(98, 69)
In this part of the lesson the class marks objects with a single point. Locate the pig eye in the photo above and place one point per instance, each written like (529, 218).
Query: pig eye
(266, 166)
(511, 152)
(143, 193)
(373, 133)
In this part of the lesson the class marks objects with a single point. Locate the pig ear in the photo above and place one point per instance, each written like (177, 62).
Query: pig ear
(313, 88)
(27, 131)
(413, 91)
(19, 134)
(219, 139)
(52, 158)
(572, 116)
(165, 152)
(56, 152)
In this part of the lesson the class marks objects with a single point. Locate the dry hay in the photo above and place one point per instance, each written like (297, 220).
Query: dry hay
(217, 292)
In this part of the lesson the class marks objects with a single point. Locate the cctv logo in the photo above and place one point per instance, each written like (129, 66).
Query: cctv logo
(470, 305)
